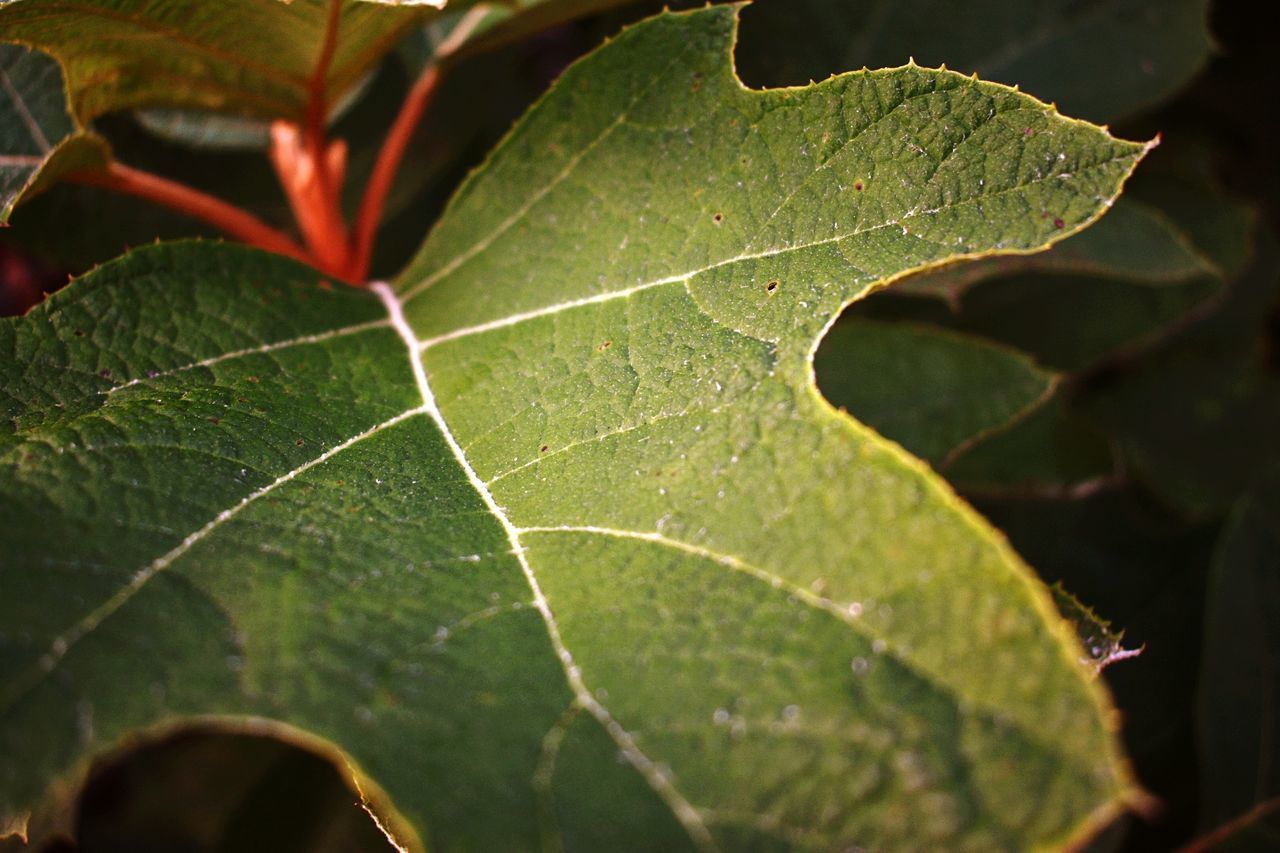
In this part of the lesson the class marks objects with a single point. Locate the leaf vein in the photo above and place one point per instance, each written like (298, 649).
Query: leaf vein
(680, 807)
(19, 104)
(569, 168)
(515, 319)
(258, 350)
(64, 642)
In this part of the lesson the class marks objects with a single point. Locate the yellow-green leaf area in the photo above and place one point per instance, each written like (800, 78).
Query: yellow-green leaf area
(555, 541)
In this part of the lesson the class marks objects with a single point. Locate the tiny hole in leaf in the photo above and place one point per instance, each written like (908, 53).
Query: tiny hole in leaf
(543, 449)
(299, 442)
(718, 218)
(79, 333)
(772, 286)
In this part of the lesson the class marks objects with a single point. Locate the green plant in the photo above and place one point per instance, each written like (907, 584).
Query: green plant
(551, 539)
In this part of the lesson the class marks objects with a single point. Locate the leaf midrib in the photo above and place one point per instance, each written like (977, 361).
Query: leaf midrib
(683, 811)
(690, 817)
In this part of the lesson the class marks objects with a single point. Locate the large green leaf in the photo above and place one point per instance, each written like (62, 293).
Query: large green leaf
(38, 139)
(555, 540)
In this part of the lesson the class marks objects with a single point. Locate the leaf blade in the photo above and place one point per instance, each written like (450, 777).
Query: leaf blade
(39, 141)
(328, 637)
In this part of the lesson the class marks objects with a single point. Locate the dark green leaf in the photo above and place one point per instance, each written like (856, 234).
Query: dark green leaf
(1240, 678)
(1101, 59)
(1196, 418)
(1050, 452)
(933, 392)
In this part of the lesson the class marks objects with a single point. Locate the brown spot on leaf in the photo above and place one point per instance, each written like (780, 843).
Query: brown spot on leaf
(772, 286)
(300, 442)
(718, 218)
(1028, 132)
(214, 421)
(543, 449)
(1058, 223)
(604, 346)
(857, 185)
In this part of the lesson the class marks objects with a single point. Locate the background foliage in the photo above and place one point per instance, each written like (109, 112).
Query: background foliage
(1111, 405)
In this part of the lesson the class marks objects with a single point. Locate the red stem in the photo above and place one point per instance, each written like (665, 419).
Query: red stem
(1214, 838)
(226, 217)
(384, 170)
(317, 84)
(311, 169)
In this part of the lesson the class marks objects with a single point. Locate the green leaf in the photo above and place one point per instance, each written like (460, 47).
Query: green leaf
(1161, 259)
(1103, 644)
(1194, 417)
(38, 139)
(1099, 59)
(1051, 452)
(491, 25)
(556, 540)
(480, 27)
(221, 132)
(1134, 242)
(933, 392)
(249, 57)
(1238, 725)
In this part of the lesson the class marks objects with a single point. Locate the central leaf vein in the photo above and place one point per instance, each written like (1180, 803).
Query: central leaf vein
(648, 770)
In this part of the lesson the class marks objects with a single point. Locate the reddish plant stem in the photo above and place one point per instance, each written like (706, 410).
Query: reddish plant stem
(313, 206)
(318, 83)
(393, 147)
(1214, 838)
(311, 169)
(384, 170)
(218, 213)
